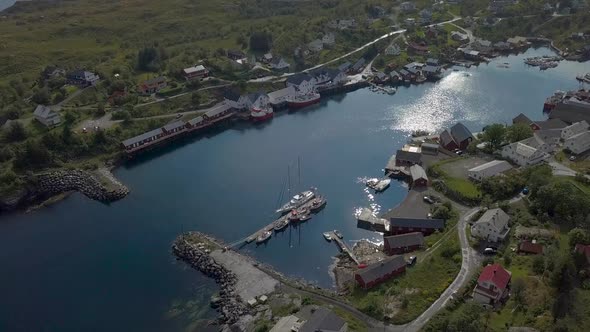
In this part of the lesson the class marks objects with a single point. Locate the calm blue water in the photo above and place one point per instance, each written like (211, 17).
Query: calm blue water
(6, 3)
(82, 265)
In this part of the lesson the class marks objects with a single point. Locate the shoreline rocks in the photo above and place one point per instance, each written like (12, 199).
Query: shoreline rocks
(49, 184)
(228, 303)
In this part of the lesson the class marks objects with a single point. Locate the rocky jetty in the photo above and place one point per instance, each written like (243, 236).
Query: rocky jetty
(46, 185)
(65, 180)
(229, 304)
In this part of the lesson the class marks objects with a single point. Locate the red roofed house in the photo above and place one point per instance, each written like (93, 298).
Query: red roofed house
(493, 285)
(583, 249)
(379, 272)
(528, 247)
(418, 48)
(152, 86)
(399, 244)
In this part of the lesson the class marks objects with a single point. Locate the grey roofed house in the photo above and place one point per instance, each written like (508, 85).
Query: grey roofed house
(379, 269)
(551, 124)
(142, 137)
(460, 132)
(323, 319)
(418, 172)
(432, 62)
(217, 109)
(404, 72)
(431, 146)
(405, 240)
(43, 111)
(278, 95)
(345, 66)
(196, 121)
(395, 74)
(316, 45)
(359, 64)
(416, 223)
(446, 137)
(549, 135)
(298, 78)
(521, 118)
(231, 94)
(570, 113)
(253, 97)
(412, 157)
(413, 70)
(431, 69)
(381, 76)
(174, 125)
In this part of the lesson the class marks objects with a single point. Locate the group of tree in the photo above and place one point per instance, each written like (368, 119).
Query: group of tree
(260, 41)
(151, 58)
(498, 134)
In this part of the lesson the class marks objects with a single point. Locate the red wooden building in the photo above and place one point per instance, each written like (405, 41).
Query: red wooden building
(379, 272)
(399, 244)
(409, 225)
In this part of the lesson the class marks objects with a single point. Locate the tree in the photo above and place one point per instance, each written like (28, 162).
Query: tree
(148, 59)
(467, 319)
(518, 288)
(494, 134)
(34, 154)
(196, 99)
(538, 264)
(442, 212)
(260, 41)
(578, 236)
(518, 132)
(16, 132)
(41, 96)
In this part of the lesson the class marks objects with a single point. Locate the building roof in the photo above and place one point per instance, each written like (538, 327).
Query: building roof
(405, 240)
(551, 124)
(253, 97)
(194, 69)
(277, 60)
(231, 94)
(345, 66)
(570, 113)
(144, 136)
(413, 157)
(418, 172)
(548, 135)
(195, 121)
(174, 125)
(43, 112)
(430, 146)
(299, 78)
(521, 118)
(404, 72)
(432, 61)
(581, 137)
(530, 248)
(460, 132)
(495, 166)
(495, 218)
(431, 69)
(523, 149)
(495, 273)
(417, 223)
(83, 74)
(445, 137)
(322, 319)
(288, 91)
(578, 127)
(359, 64)
(394, 73)
(379, 269)
(583, 249)
(217, 109)
(155, 80)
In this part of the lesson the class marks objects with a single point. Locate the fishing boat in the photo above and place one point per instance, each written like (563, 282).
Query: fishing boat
(261, 114)
(297, 201)
(327, 236)
(281, 224)
(378, 185)
(337, 233)
(263, 237)
(317, 204)
(304, 217)
(293, 216)
(551, 102)
(303, 100)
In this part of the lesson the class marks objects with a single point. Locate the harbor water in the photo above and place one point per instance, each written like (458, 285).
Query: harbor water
(82, 265)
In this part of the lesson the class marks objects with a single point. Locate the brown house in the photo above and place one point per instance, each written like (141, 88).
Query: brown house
(527, 247)
(410, 225)
(379, 272)
(419, 177)
(152, 86)
(407, 158)
(399, 244)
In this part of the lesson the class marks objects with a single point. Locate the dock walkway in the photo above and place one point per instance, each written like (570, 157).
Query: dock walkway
(344, 248)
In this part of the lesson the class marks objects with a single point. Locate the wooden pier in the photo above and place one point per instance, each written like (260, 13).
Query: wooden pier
(344, 248)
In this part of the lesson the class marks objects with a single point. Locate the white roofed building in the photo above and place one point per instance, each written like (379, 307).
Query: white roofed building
(522, 154)
(578, 143)
(46, 116)
(492, 226)
(574, 129)
(487, 170)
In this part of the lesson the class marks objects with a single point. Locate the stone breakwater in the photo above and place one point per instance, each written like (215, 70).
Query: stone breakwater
(229, 304)
(61, 181)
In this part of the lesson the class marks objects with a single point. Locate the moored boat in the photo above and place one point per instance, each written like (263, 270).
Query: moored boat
(327, 236)
(262, 114)
(378, 185)
(304, 217)
(293, 216)
(297, 201)
(318, 203)
(263, 237)
(304, 100)
(281, 224)
(337, 233)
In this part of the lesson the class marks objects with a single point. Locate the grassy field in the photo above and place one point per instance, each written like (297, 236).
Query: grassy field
(406, 297)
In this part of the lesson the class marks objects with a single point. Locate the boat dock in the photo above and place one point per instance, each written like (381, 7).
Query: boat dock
(366, 220)
(392, 170)
(344, 248)
(387, 90)
(268, 228)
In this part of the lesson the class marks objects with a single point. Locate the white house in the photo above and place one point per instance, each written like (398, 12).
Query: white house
(578, 143)
(522, 154)
(492, 226)
(279, 63)
(279, 97)
(316, 45)
(303, 82)
(487, 170)
(46, 116)
(574, 129)
(258, 100)
(543, 140)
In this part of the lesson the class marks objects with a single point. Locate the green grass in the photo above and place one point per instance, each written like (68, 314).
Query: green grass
(417, 289)
(465, 187)
(354, 324)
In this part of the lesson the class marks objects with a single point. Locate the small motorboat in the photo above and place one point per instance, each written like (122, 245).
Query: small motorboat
(305, 217)
(327, 236)
(337, 233)
(281, 225)
(318, 203)
(378, 185)
(263, 237)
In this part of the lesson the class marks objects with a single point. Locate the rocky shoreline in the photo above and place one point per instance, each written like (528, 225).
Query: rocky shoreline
(229, 304)
(46, 185)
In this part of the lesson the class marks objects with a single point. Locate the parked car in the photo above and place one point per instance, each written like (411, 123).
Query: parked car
(428, 200)
(490, 251)
(572, 158)
(178, 116)
(412, 260)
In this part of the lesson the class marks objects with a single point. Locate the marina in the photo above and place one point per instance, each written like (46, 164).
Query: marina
(543, 62)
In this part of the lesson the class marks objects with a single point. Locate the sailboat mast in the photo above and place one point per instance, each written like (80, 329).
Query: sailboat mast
(288, 179)
(299, 171)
